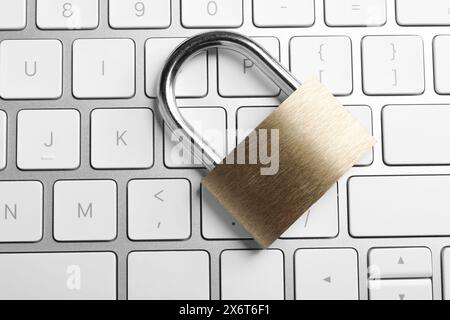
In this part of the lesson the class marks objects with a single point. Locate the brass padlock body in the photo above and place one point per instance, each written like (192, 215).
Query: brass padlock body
(319, 140)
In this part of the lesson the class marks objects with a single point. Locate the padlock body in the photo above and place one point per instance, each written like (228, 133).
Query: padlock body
(318, 141)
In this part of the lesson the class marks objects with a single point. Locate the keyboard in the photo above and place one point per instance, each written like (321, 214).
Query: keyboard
(97, 201)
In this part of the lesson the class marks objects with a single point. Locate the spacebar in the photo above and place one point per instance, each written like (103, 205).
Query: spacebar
(40, 276)
(396, 206)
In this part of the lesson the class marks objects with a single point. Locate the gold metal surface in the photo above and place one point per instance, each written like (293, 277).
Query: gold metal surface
(319, 141)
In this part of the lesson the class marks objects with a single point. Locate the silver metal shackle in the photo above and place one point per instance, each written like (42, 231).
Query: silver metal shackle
(167, 106)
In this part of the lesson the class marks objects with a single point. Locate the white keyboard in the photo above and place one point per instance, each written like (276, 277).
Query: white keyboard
(97, 201)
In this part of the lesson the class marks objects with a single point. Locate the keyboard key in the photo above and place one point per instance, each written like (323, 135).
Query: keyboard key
(423, 13)
(210, 123)
(410, 289)
(67, 14)
(400, 263)
(152, 14)
(21, 211)
(252, 275)
(159, 209)
(355, 13)
(393, 65)
(168, 275)
(405, 145)
(122, 138)
(248, 118)
(364, 115)
(441, 50)
(328, 59)
(320, 221)
(30, 69)
(211, 13)
(48, 139)
(50, 276)
(192, 79)
(85, 210)
(326, 274)
(103, 68)
(446, 273)
(396, 206)
(218, 223)
(290, 13)
(239, 77)
(3, 127)
(13, 14)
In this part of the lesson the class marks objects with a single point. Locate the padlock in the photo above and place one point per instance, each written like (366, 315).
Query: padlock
(318, 141)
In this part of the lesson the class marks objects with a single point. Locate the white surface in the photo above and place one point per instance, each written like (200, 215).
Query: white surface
(30, 69)
(441, 51)
(168, 275)
(423, 12)
(416, 134)
(3, 128)
(103, 68)
(364, 115)
(326, 274)
(290, 13)
(192, 79)
(252, 275)
(364, 13)
(159, 209)
(400, 263)
(21, 211)
(13, 14)
(411, 289)
(48, 139)
(59, 276)
(393, 65)
(239, 77)
(328, 59)
(446, 273)
(64, 14)
(207, 13)
(122, 138)
(85, 210)
(399, 206)
(139, 14)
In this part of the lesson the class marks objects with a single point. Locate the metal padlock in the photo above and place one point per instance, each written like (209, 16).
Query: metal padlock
(318, 139)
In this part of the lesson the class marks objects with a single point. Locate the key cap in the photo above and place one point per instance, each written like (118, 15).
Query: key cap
(168, 275)
(192, 80)
(152, 14)
(159, 209)
(103, 68)
(30, 69)
(364, 115)
(210, 123)
(67, 14)
(49, 276)
(239, 77)
(396, 206)
(21, 211)
(48, 139)
(405, 145)
(351, 13)
(252, 275)
(122, 138)
(441, 50)
(400, 263)
(3, 125)
(393, 65)
(328, 59)
(211, 13)
(248, 118)
(85, 210)
(326, 274)
(446, 273)
(423, 13)
(290, 13)
(320, 221)
(13, 14)
(410, 289)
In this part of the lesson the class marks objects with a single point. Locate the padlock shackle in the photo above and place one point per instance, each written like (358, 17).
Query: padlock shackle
(167, 106)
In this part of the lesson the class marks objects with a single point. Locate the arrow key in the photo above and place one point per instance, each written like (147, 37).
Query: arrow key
(405, 289)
